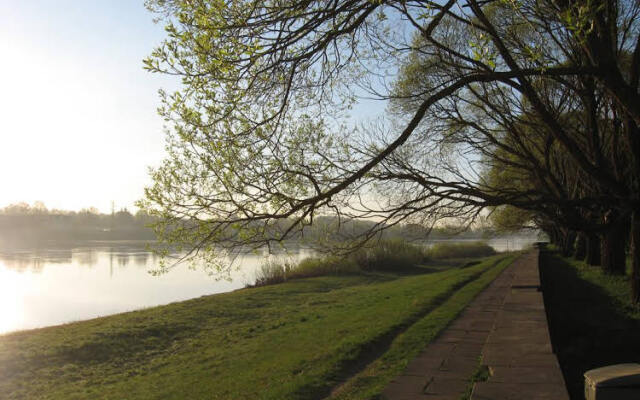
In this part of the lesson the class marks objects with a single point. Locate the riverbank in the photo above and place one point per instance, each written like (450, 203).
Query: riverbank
(297, 340)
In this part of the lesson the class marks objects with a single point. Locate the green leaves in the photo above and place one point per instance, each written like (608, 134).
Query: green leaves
(580, 17)
(260, 141)
(482, 50)
(248, 145)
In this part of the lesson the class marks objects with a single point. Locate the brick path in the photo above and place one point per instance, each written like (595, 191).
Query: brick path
(506, 326)
(518, 351)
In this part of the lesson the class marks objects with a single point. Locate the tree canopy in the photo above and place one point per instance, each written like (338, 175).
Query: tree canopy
(499, 103)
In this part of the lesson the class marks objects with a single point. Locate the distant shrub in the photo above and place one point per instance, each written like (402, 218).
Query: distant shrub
(315, 266)
(445, 250)
(273, 271)
(385, 255)
(392, 254)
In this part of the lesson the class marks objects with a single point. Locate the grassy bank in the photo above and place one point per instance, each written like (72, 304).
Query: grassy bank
(591, 320)
(297, 340)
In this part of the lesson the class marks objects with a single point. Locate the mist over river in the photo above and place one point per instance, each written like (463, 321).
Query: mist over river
(55, 283)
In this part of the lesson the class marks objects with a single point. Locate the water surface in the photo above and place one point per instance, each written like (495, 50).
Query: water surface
(58, 283)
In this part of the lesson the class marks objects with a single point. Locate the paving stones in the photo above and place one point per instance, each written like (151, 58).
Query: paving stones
(506, 325)
(517, 391)
(518, 351)
(442, 371)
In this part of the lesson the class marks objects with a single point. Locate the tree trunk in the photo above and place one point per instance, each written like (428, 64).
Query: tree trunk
(568, 237)
(635, 257)
(614, 246)
(581, 247)
(553, 236)
(593, 249)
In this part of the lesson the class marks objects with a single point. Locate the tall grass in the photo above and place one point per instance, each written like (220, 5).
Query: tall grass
(385, 255)
(445, 250)
(331, 265)
(273, 271)
(391, 254)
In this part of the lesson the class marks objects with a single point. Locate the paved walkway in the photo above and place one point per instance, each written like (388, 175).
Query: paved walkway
(505, 326)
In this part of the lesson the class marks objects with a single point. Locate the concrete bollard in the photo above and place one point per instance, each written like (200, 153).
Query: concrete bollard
(615, 382)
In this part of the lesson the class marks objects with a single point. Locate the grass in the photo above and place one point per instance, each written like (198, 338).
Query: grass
(481, 374)
(312, 267)
(591, 320)
(405, 347)
(297, 340)
(445, 250)
(275, 271)
(389, 255)
(392, 255)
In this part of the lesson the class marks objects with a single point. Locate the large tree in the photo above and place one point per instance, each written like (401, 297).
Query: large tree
(258, 144)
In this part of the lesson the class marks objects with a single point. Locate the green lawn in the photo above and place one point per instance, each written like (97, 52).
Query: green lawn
(591, 319)
(297, 340)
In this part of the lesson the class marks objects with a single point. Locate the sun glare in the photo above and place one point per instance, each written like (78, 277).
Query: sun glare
(11, 310)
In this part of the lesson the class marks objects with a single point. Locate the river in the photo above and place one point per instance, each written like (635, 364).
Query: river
(58, 283)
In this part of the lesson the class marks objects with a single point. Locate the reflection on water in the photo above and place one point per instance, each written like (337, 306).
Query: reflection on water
(34, 259)
(61, 283)
(56, 284)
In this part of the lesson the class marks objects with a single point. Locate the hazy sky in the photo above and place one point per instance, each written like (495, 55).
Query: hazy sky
(78, 125)
(78, 120)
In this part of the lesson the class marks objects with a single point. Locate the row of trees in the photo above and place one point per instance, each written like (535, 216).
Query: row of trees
(22, 220)
(526, 107)
(24, 223)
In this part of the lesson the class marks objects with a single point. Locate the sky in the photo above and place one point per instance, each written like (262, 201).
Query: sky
(78, 120)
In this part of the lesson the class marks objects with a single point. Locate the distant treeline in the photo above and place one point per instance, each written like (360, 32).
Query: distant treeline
(24, 222)
(350, 228)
